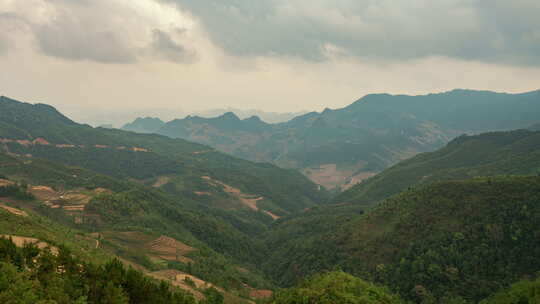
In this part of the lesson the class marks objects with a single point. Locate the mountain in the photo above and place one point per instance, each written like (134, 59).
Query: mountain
(144, 125)
(152, 124)
(168, 206)
(269, 117)
(458, 225)
(404, 222)
(99, 217)
(446, 240)
(488, 154)
(339, 148)
(262, 191)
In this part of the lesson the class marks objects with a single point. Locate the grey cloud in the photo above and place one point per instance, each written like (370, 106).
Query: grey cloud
(171, 50)
(9, 26)
(65, 40)
(486, 30)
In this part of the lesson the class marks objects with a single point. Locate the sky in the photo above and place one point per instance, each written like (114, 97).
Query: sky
(119, 58)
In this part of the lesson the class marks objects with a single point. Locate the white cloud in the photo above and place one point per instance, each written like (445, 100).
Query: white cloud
(109, 31)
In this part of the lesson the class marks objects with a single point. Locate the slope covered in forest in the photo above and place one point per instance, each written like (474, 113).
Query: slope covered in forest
(445, 240)
(488, 154)
(179, 167)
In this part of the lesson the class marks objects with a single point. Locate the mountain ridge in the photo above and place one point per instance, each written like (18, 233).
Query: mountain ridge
(338, 148)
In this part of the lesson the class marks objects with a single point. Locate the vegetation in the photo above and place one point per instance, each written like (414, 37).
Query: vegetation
(488, 154)
(17, 191)
(110, 152)
(333, 288)
(523, 292)
(368, 135)
(450, 239)
(31, 275)
(459, 225)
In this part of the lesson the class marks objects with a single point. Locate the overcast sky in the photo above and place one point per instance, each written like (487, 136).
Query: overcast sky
(173, 56)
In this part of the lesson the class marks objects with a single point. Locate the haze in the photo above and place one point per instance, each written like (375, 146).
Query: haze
(171, 57)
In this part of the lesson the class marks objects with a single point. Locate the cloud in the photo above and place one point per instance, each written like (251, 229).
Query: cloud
(169, 49)
(498, 31)
(105, 31)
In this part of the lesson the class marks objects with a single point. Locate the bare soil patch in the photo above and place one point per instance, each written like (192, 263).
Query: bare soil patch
(260, 294)
(331, 176)
(20, 241)
(12, 210)
(43, 193)
(200, 193)
(356, 179)
(247, 200)
(5, 182)
(161, 181)
(170, 249)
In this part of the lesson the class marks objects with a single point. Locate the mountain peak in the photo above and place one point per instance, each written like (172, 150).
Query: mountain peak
(230, 116)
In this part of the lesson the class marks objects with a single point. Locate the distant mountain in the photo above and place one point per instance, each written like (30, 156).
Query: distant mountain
(144, 125)
(268, 117)
(339, 148)
(488, 154)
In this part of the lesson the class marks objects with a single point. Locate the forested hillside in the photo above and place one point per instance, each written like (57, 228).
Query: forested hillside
(488, 154)
(160, 235)
(248, 190)
(339, 148)
(458, 225)
(447, 240)
(33, 275)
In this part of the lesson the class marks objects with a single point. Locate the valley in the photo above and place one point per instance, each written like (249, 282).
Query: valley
(220, 229)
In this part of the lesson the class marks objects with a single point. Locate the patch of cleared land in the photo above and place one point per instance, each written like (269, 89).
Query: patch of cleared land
(170, 249)
(162, 248)
(5, 182)
(72, 201)
(247, 200)
(20, 241)
(330, 176)
(13, 210)
(356, 179)
(161, 181)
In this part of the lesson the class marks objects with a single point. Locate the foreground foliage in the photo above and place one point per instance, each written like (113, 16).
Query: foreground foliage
(31, 275)
(523, 292)
(333, 288)
(453, 239)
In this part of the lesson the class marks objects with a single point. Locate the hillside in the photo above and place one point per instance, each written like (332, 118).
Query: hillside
(488, 154)
(445, 240)
(176, 166)
(161, 236)
(339, 148)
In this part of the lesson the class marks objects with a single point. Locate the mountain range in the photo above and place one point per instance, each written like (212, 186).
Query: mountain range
(130, 211)
(339, 148)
